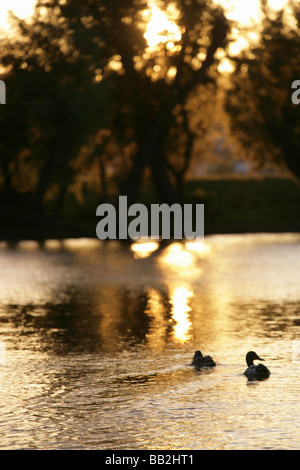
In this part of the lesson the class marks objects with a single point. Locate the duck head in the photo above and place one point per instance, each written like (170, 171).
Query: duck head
(251, 356)
(198, 355)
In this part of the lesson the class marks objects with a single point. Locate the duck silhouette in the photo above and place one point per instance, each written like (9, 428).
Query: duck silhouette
(255, 371)
(200, 361)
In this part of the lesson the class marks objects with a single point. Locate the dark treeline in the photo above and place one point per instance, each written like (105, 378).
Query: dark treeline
(87, 94)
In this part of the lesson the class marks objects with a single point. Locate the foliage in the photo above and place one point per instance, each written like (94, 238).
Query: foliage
(53, 106)
(83, 75)
(259, 99)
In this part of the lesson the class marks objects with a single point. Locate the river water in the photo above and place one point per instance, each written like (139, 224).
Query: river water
(96, 341)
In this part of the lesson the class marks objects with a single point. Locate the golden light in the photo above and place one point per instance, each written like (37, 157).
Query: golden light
(226, 66)
(176, 256)
(180, 299)
(115, 63)
(161, 26)
(162, 30)
(21, 8)
(172, 72)
(201, 248)
(241, 11)
(157, 333)
(143, 249)
(247, 15)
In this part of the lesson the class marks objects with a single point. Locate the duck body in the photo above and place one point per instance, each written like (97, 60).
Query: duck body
(255, 371)
(200, 361)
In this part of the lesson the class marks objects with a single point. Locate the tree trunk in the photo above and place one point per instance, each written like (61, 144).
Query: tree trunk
(151, 145)
(164, 188)
(103, 177)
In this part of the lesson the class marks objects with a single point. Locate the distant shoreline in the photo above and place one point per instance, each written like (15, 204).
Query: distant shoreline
(231, 206)
(40, 238)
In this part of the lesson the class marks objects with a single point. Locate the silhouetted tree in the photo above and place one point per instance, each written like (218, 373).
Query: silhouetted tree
(150, 88)
(84, 72)
(53, 106)
(259, 101)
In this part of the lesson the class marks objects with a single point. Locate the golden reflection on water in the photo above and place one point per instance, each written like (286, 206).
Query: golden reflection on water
(175, 257)
(180, 268)
(180, 298)
(93, 321)
(184, 291)
(201, 248)
(158, 328)
(144, 249)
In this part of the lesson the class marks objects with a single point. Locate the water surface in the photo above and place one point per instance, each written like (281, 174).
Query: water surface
(96, 341)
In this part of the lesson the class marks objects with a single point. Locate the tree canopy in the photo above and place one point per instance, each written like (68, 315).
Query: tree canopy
(84, 75)
(263, 116)
(124, 87)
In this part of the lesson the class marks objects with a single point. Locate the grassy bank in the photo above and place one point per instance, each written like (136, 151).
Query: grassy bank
(248, 204)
